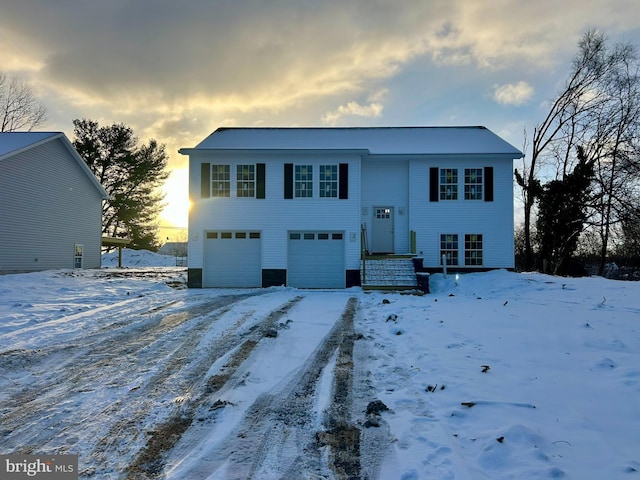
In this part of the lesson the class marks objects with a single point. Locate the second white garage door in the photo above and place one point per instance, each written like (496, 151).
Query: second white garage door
(316, 260)
(232, 259)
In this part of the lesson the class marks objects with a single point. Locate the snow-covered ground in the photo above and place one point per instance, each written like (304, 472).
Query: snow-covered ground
(491, 376)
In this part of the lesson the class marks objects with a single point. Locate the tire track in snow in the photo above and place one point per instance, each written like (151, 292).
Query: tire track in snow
(109, 360)
(278, 432)
(149, 462)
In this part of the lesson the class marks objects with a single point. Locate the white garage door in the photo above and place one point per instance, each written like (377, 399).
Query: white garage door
(232, 259)
(316, 260)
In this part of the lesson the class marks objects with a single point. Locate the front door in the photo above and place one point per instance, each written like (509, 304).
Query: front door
(382, 240)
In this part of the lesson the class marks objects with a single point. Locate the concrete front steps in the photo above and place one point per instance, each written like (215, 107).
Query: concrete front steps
(388, 273)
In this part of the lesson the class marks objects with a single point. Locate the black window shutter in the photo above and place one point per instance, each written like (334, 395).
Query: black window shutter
(288, 180)
(343, 187)
(205, 180)
(433, 184)
(488, 184)
(260, 179)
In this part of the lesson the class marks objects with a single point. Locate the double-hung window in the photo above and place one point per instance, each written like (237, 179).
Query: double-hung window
(473, 249)
(303, 181)
(328, 181)
(473, 184)
(220, 180)
(246, 181)
(449, 248)
(448, 184)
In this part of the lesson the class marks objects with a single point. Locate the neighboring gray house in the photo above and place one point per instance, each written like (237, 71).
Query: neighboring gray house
(50, 204)
(293, 206)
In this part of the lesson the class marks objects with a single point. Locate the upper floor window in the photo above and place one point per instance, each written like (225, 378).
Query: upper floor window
(303, 181)
(328, 181)
(473, 184)
(246, 180)
(449, 248)
(448, 184)
(220, 180)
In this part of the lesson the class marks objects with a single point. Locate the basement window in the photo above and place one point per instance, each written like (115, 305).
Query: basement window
(449, 248)
(77, 256)
(473, 249)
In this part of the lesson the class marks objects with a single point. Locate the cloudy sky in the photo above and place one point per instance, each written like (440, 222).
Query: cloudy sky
(176, 71)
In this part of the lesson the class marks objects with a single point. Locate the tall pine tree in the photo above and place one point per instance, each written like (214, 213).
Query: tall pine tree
(131, 174)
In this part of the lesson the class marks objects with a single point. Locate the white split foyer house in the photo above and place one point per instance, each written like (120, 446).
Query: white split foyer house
(297, 206)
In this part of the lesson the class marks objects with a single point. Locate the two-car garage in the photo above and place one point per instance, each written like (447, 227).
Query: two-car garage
(315, 259)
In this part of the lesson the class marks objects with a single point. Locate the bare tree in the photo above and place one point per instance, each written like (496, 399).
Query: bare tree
(580, 116)
(19, 109)
(616, 146)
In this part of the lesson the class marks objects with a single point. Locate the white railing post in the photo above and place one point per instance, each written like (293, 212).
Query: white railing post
(444, 265)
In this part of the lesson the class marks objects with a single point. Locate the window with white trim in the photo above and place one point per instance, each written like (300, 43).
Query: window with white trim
(473, 249)
(328, 181)
(220, 180)
(303, 181)
(77, 255)
(473, 184)
(246, 181)
(448, 184)
(449, 248)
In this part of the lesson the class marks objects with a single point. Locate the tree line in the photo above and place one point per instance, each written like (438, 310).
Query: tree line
(588, 144)
(579, 184)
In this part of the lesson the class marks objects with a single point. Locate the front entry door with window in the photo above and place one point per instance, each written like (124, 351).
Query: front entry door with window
(382, 240)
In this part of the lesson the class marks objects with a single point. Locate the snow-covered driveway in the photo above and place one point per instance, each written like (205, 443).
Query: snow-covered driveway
(494, 375)
(136, 381)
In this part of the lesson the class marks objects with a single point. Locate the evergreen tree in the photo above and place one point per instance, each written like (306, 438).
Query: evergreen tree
(562, 213)
(132, 176)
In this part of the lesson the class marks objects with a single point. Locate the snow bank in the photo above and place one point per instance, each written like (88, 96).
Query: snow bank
(138, 258)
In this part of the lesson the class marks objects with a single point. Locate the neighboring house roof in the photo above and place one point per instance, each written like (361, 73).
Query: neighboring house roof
(13, 143)
(371, 140)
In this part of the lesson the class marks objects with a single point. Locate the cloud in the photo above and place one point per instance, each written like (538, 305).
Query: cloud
(513, 93)
(351, 109)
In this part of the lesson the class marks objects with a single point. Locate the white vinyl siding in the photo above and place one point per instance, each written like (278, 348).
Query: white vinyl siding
(274, 216)
(493, 220)
(48, 205)
(385, 183)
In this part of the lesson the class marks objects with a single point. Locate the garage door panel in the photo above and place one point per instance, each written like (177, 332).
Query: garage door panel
(316, 260)
(232, 259)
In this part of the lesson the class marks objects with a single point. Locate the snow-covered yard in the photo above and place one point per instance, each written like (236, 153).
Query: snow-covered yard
(492, 375)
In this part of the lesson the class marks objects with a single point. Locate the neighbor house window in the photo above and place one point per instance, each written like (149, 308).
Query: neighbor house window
(449, 248)
(303, 181)
(328, 181)
(448, 184)
(246, 181)
(77, 255)
(473, 184)
(220, 180)
(473, 249)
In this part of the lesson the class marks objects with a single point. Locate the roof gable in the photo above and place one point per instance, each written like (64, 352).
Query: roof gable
(13, 143)
(373, 140)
